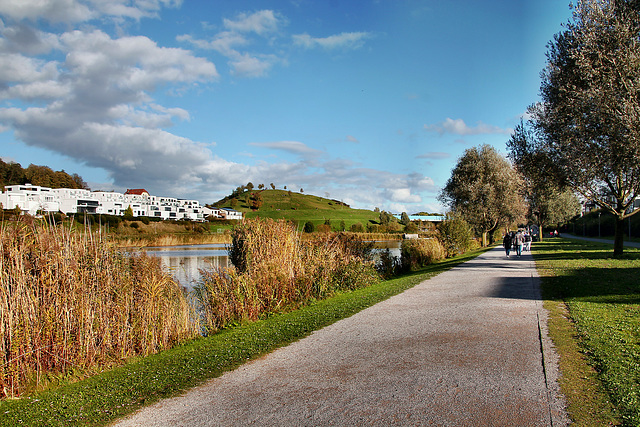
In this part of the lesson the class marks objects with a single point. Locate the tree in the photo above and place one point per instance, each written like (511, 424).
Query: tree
(404, 219)
(550, 200)
(455, 234)
(255, 201)
(128, 213)
(589, 117)
(273, 186)
(485, 190)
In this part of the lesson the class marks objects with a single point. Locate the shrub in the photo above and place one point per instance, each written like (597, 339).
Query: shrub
(309, 227)
(357, 228)
(456, 235)
(417, 253)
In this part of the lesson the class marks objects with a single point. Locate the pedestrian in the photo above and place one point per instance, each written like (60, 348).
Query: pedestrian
(506, 242)
(519, 241)
(527, 242)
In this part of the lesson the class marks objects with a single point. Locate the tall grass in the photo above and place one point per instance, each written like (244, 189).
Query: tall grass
(275, 270)
(70, 302)
(418, 253)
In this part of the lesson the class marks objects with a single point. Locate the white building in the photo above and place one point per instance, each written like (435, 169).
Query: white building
(32, 198)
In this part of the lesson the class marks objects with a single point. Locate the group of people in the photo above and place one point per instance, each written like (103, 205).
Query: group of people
(518, 241)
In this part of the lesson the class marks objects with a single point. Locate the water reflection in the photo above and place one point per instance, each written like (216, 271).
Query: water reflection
(186, 261)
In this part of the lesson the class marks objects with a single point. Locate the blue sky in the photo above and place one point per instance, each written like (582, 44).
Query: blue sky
(368, 102)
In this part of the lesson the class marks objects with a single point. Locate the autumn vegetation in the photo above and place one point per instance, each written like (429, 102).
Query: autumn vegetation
(72, 304)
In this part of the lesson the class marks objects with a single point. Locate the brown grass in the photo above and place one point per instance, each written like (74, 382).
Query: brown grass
(71, 302)
(417, 253)
(274, 270)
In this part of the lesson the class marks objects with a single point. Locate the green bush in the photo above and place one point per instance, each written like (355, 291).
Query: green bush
(455, 235)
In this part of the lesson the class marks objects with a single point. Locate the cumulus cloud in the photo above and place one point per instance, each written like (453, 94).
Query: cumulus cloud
(348, 41)
(75, 11)
(231, 42)
(261, 22)
(91, 99)
(459, 127)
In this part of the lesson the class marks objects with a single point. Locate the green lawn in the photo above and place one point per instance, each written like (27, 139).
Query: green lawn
(601, 297)
(118, 392)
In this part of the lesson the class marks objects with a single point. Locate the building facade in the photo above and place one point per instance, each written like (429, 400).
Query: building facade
(32, 199)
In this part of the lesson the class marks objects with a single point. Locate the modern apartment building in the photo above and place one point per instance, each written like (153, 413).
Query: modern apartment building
(32, 198)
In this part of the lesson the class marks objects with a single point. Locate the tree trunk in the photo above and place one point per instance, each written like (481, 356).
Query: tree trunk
(618, 243)
(540, 232)
(484, 239)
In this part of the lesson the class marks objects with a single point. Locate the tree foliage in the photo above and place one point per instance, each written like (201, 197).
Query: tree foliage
(455, 235)
(13, 174)
(485, 190)
(550, 200)
(589, 117)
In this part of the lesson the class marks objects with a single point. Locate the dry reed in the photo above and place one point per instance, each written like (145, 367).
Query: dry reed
(274, 270)
(417, 253)
(69, 302)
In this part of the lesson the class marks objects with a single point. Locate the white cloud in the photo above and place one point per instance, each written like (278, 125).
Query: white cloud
(434, 155)
(261, 22)
(242, 63)
(459, 127)
(352, 40)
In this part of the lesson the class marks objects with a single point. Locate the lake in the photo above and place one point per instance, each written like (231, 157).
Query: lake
(184, 262)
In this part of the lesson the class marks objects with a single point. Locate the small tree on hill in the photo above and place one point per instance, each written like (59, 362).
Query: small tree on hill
(128, 213)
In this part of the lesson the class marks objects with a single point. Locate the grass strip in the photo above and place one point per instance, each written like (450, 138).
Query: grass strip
(120, 391)
(594, 305)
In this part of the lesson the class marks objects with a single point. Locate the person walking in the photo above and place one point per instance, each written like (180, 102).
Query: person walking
(519, 243)
(527, 241)
(506, 242)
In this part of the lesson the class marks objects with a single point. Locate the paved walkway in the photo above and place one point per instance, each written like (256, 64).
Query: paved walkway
(466, 348)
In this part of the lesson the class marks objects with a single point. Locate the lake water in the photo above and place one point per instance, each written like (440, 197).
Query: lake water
(184, 262)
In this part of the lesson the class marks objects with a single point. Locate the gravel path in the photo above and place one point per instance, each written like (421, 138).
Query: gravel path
(466, 348)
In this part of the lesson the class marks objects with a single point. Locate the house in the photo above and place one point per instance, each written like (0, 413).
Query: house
(230, 214)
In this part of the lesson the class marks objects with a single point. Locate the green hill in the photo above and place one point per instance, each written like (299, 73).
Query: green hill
(299, 207)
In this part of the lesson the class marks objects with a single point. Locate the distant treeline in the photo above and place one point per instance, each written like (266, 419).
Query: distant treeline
(13, 174)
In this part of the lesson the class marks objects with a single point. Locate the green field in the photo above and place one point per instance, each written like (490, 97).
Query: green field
(594, 302)
(282, 204)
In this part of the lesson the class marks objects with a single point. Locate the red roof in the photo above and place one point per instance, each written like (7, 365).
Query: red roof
(137, 191)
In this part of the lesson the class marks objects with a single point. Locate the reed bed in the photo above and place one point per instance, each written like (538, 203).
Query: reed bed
(275, 270)
(169, 240)
(71, 303)
(417, 253)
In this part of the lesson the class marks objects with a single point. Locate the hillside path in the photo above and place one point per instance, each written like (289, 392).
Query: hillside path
(466, 348)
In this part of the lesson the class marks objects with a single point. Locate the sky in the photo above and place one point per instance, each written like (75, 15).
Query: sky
(370, 102)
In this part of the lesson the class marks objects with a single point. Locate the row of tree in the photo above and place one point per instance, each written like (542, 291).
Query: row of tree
(13, 174)
(583, 137)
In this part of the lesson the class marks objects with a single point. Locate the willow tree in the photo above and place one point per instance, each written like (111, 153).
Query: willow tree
(485, 190)
(589, 117)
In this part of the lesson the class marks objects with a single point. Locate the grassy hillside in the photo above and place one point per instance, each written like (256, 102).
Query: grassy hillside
(299, 207)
